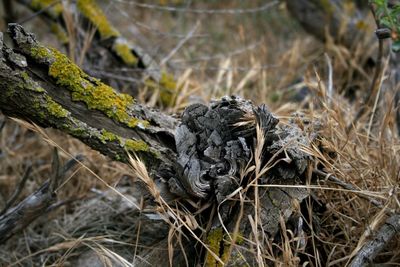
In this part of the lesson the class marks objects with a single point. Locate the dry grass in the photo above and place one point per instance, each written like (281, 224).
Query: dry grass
(264, 57)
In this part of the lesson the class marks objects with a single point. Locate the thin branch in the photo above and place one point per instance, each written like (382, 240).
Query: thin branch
(373, 88)
(2, 124)
(372, 248)
(38, 13)
(330, 177)
(33, 206)
(232, 11)
(180, 44)
(18, 190)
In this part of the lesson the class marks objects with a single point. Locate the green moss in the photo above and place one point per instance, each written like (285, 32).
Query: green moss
(95, 15)
(91, 91)
(275, 96)
(59, 32)
(25, 76)
(54, 11)
(75, 131)
(125, 53)
(54, 108)
(239, 239)
(41, 53)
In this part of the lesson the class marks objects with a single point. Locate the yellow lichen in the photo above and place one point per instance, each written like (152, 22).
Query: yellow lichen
(91, 91)
(30, 84)
(136, 145)
(125, 53)
(53, 7)
(54, 108)
(220, 247)
(107, 136)
(95, 15)
(214, 239)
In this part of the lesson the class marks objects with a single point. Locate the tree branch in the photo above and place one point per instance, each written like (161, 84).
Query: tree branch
(371, 249)
(201, 156)
(33, 206)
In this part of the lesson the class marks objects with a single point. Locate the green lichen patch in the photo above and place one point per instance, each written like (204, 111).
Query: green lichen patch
(107, 136)
(53, 7)
(124, 52)
(95, 15)
(30, 84)
(218, 245)
(55, 109)
(214, 239)
(136, 145)
(95, 94)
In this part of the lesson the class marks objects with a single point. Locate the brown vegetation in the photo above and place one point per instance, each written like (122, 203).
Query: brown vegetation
(319, 188)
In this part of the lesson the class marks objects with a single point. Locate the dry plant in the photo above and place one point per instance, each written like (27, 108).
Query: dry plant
(338, 219)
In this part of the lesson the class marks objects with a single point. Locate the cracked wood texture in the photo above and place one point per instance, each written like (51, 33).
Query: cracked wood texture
(210, 154)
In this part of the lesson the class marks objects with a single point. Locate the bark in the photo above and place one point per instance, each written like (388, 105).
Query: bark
(199, 157)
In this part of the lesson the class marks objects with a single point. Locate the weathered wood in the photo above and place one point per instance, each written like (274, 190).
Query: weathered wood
(45, 86)
(368, 252)
(200, 156)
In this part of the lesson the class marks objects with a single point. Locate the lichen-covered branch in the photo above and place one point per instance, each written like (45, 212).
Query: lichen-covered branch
(213, 155)
(109, 38)
(42, 85)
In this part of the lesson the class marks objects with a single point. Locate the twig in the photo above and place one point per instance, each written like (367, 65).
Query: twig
(330, 79)
(64, 202)
(34, 15)
(18, 190)
(201, 11)
(2, 124)
(371, 249)
(55, 169)
(180, 44)
(372, 91)
(330, 177)
(33, 206)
